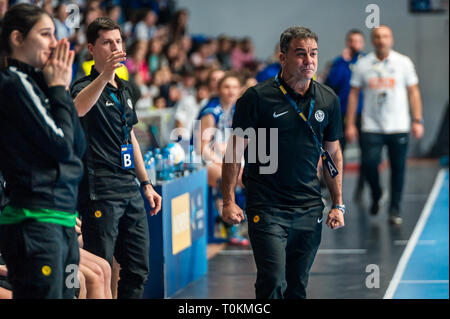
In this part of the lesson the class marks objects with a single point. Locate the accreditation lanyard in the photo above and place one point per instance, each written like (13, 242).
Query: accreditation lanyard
(126, 150)
(124, 114)
(326, 157)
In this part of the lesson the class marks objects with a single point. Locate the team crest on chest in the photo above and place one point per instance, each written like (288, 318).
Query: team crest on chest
(319, 115)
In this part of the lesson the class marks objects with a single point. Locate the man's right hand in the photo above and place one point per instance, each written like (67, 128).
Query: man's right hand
(351, 133)
(112, 63)
(232, 213)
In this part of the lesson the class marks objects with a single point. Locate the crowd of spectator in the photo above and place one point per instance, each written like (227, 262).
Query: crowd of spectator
(165, 61)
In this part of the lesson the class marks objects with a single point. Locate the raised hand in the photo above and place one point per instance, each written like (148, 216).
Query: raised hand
(58, 69)
(112, 63)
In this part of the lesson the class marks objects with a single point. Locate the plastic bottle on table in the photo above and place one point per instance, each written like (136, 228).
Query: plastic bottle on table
(158, 164)
(151, 168)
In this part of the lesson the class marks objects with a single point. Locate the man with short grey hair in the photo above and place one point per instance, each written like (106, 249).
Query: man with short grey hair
(285, 208)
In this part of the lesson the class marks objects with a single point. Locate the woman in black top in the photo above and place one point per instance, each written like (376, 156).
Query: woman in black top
(41, 145)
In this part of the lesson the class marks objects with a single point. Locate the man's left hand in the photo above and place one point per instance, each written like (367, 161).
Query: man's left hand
(335, 219)
(153, 198)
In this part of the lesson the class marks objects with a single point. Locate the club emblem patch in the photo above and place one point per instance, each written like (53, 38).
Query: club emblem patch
(319, 115)
(46, 270)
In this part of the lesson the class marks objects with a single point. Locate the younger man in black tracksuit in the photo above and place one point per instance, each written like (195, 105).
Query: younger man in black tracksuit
(114, 218)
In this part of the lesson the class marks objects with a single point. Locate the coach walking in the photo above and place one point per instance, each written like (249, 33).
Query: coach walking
(284, 208)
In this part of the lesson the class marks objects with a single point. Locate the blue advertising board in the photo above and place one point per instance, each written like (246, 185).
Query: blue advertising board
(178, 238)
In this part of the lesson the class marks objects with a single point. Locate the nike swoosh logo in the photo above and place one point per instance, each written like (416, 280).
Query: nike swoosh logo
(319, 220)
(109, 103)
(275, 115)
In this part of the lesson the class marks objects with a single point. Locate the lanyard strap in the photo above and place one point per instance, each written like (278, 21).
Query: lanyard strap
(124, 114)
(299, 112)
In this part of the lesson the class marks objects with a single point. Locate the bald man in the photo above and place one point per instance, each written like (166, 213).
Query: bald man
(389, 81)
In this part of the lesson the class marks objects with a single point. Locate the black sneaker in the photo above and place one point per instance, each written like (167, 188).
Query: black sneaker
(375, 208)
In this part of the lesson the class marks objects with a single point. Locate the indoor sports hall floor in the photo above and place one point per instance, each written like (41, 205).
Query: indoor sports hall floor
(368, 258)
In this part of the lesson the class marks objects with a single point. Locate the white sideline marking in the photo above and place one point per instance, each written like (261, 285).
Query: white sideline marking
(396, 278)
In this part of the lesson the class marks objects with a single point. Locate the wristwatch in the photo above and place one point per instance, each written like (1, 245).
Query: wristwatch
(340, 207)
(418, 121)
(147, 182)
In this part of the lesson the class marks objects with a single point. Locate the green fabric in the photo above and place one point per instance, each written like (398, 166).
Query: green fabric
(15, 215)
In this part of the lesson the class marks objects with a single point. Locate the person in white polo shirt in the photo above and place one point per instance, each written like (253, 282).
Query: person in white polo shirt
(388, 80)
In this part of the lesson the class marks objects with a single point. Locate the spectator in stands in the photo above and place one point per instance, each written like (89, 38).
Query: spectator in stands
(243, 54)
(213, 142)
(272, 66)
(48, 7)
(202, 73)
(178, 26)
(41, 214)
(215, 75)
(204, 55)
(155, 55)
(185, 44)
(171, 55)
(188, 108)
(219, 116)
(339, 80)
(225, 46)
(113, 12)
(159, 102)
(174, 95)
(160, 83)
(187, 83)
(62, 29)
(145, 29)
(136, 63)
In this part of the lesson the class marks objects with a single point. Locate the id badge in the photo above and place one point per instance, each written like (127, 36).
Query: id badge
(126, 154)
(329, 164)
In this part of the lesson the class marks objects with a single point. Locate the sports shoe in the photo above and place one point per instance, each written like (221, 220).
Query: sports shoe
(235, 238)
(239, 241)
(395, 220)
(375, 208)
(376, 205)
(394, 216)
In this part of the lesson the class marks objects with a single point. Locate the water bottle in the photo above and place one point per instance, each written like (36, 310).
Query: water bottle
(191, 164)
(168, 165)
(151, 169)
(158, 164)
(146, 158)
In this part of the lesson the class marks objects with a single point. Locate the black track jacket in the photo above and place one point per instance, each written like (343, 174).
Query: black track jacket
(41, 141)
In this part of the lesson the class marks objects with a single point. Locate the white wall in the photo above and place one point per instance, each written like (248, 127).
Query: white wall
(424, 37)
